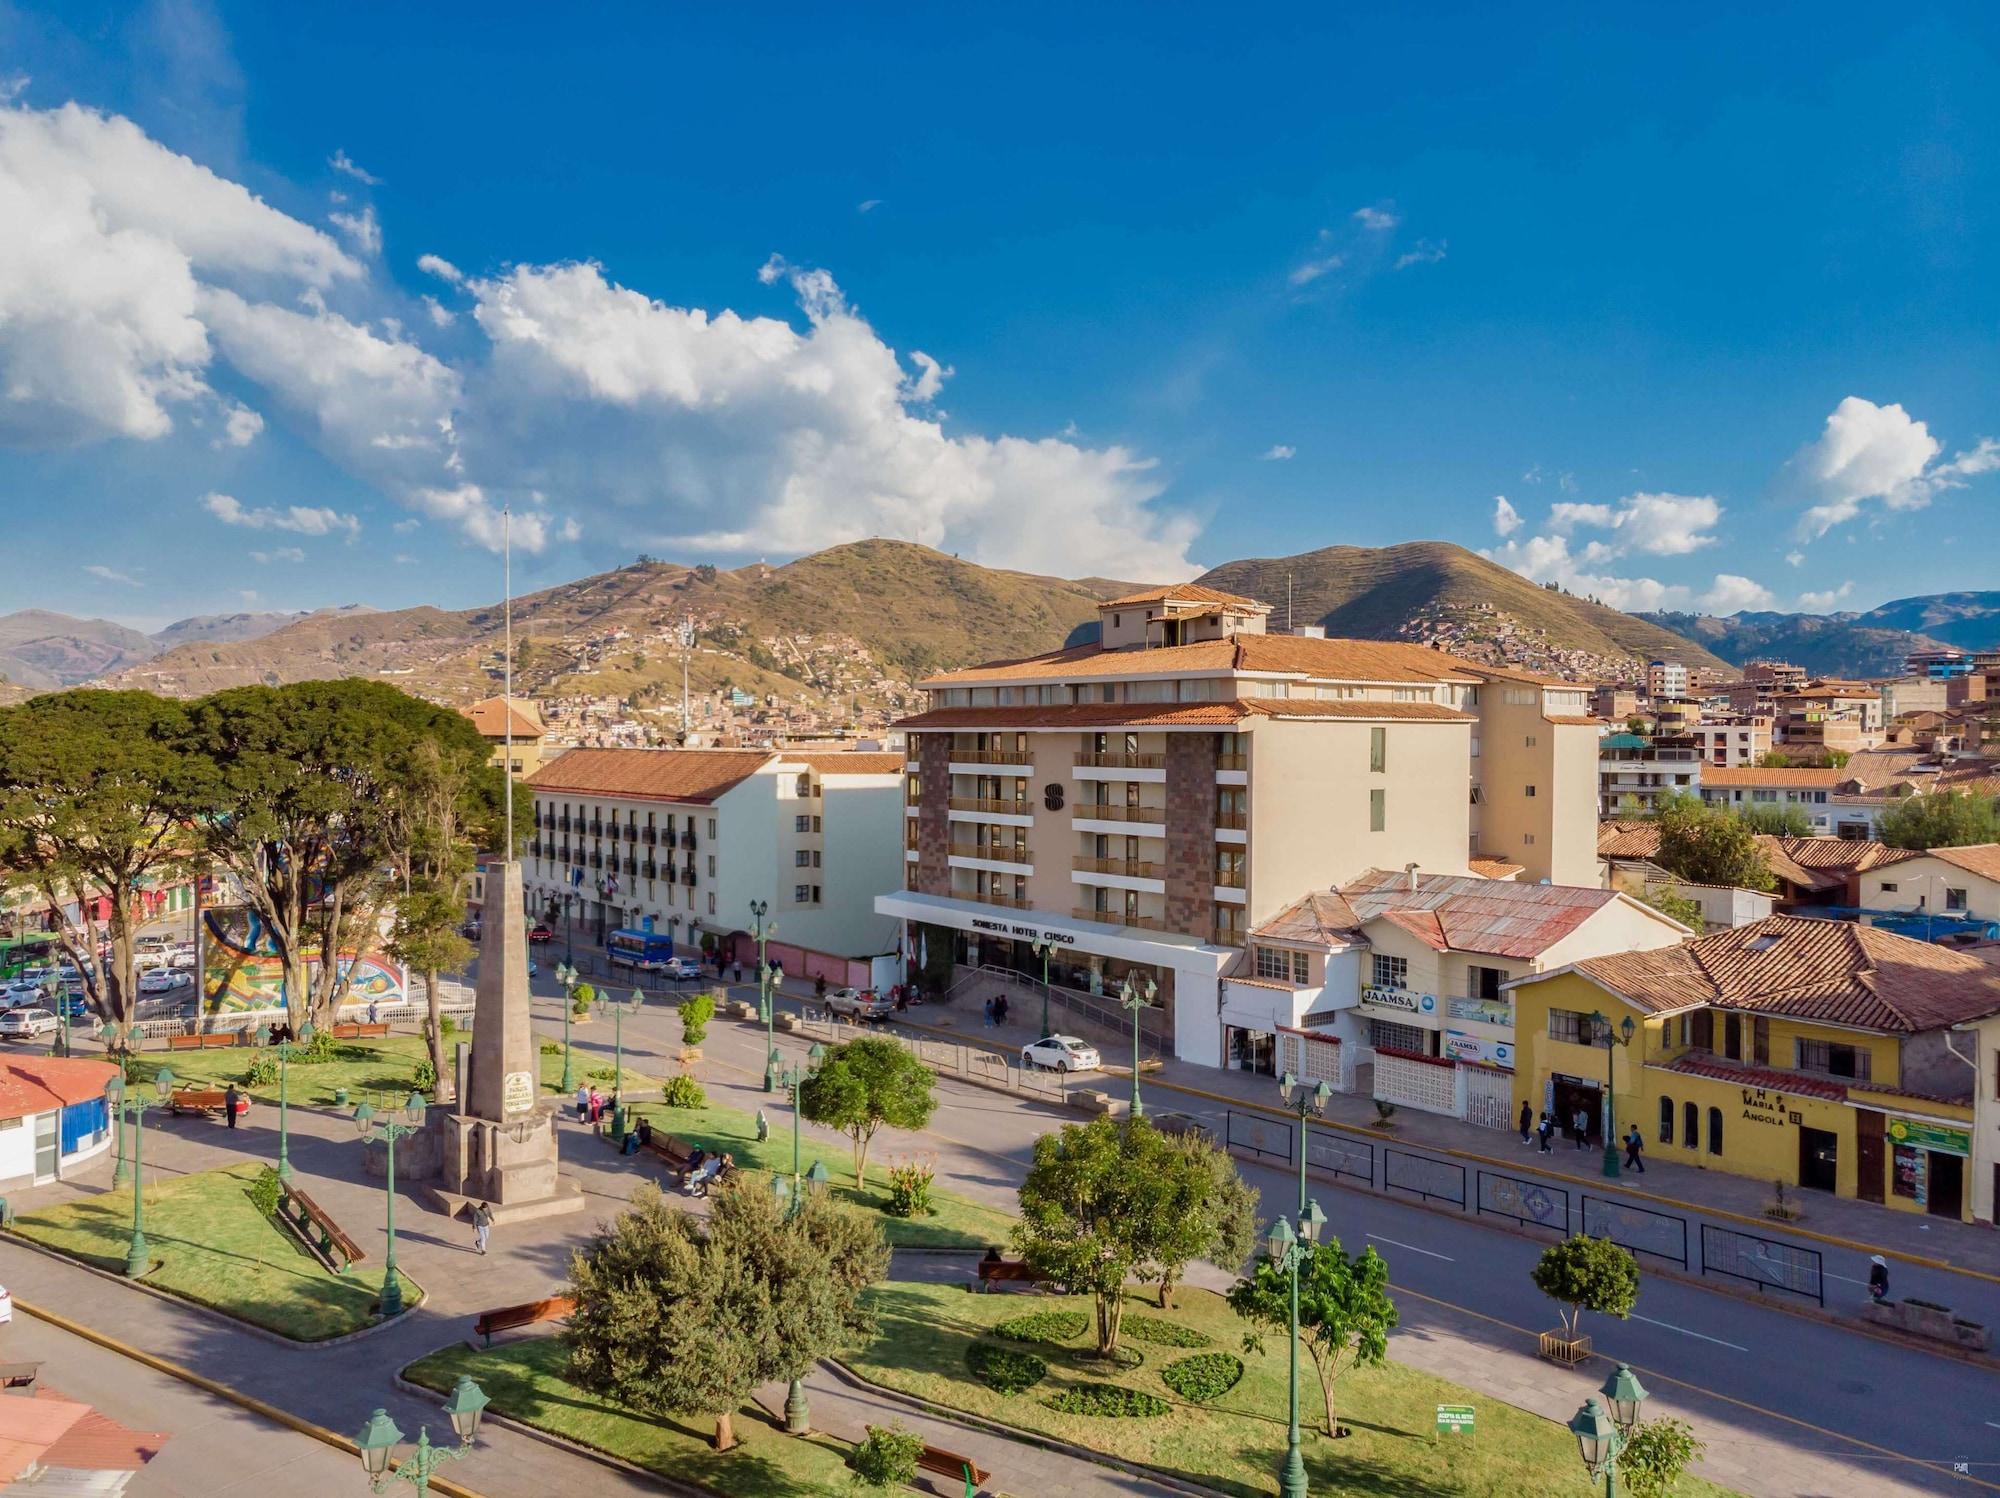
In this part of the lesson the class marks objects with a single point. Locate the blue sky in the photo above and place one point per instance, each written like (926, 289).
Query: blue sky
(1710, 301)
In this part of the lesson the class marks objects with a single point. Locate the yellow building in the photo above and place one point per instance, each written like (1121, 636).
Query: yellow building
(490, 717)
(1812, 1052)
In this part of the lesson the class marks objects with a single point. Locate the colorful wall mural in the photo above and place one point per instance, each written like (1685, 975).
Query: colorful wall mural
(242, 971)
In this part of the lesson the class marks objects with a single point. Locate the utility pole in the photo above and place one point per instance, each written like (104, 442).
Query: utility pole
(507, 668)
(687, 644)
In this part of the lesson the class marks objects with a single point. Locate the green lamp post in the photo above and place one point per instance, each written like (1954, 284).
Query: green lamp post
(1136, 994)
(389, 1130)
(1622, 1035)
(1288, 1250)
(764, 932)
(1044, 950)
(617, 1009)
(58, 1001)
(791, 1078)
(1306, 1104)
(284, 1050)
(380, 1437)
(791, 1198)
(115, 1091)
(137, 1259)
(1598, 1441)
(566, 975)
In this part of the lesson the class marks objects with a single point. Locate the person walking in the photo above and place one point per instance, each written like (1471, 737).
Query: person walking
(1633, 1144)
(1527, 1122)
(482, 1226)
(1580, 1125)
(1878, 1278)
(230, 1098)
(1546, 1131)
(583, 1102)
(987, 1023)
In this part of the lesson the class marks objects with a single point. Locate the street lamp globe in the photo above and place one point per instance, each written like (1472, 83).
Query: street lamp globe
(163, 1083)
(1311, 1222)
(1278, 1241)
(378, 1441)
(413, 1110)
(781, 1191)
(306, 1033)
(817, 1176)
(263, 1035)
(1596, 1436)
(1625, 1394)
(114, 1090)
(364, 1119)
(466, 1406)
(816, 1054)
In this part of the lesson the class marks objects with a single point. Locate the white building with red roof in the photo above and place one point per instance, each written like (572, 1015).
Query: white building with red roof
(54, 1119)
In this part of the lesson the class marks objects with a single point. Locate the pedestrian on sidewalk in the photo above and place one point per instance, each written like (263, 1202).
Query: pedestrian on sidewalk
(1546, 1131)
(819, 989)
(1633, 1144)
(1000, 1010)
(1527, 1122)
(230, 1098)
(583, 1102)
(1878, 1278)
(987, 1023)
(482, 1225)
(1581, 1125)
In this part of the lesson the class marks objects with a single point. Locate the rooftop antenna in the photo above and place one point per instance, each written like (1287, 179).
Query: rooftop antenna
(1290, 627)
(507, 664)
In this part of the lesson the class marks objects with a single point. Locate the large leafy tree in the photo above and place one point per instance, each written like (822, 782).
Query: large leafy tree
(1345, 1313)
(1102, 1202)
(1940, 819)
(96, 789)
(863, 1085)
(1777, 820)
(1217, 1217)
(682, 1315)
(1709, 845)
(311, 810)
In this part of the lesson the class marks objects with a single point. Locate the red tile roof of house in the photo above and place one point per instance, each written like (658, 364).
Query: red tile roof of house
(1321, 918)
(1494, 868)
(1628, 839)
(1182, 593)
(35, 1084)
(490, 718)
(1354, 708)
(1752, 1076)
(1467, 913)
(1797, 777)
(97, 1443)
(1842, 974)
(683, 775)
(1301, 655)
(1083, 715)
(1982, 859)
(839, 762)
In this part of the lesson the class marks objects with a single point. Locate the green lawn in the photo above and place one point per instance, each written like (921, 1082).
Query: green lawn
(376, 1071)
(1235, 1442)
(525, 1381)
(957, 1222)
(211, 1246)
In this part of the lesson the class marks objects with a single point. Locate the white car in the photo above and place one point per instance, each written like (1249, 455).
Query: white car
(861, 1003)
(17, 1024)
(162, 980)
(183, 957)
(1062, 1053)
(21, 995)
(6, 1306)
(679, 968)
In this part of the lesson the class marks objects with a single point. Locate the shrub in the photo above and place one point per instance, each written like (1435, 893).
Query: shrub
(1655, 1456)
(683, 1092)
(320, 1049)
(1004, 1370)
(1163, 1333)
(1205, 1376)
(265, 1191)
(580, 1000)
(426, 1078)
(886, 1458)
(1043, 1326)
(1108, 1401)
(263, 1072)
(696, 1011)
(447, 1025)
(910, 1188)
(551, 1048)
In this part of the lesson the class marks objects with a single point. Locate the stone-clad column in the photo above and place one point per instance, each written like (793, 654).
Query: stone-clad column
(1191, 833)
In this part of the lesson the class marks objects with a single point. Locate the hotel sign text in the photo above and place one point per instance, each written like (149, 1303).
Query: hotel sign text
(1026, 932)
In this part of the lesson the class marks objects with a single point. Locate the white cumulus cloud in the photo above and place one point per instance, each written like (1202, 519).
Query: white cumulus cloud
(1379, 218)
(443, 269)
(1869, 454)
(1825, 599)
(1731, 594)
(340, 161)
(1506, 519)
(305, 520)
(1279, 452)
(362, 229)
(111, 574)
(240, 426)
(1643, 524)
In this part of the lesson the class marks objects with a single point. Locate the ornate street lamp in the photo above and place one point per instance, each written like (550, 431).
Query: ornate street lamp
(284, 1050)
(1287, 1251)
(137, 1259)
(566, 975)
(791, 1078)
(115, 1091)
(763, 932)
(1625, 1396)
(618, 1059)
(1136, 994)
(1043, 950)
(1622, 1035)
(1307, 1102)
(389, 1130)
(1598, 1442)
(380, 1437)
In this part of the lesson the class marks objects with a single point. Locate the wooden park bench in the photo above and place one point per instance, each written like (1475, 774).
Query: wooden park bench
(708, 1183)
(677, 1154)
(320, 1234)
(208, 1101)
(214, 1041)
(507, 1318)
(355, 1030)
(997, 1271)
(951, 1464)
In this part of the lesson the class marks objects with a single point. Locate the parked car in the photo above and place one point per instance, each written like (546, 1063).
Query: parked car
(860, 1003)
(78, 1007)
(6, 1306)
(20, 996)
(680, 968)
(26, 1024)
(183, 957)
(540, 934)
(470, 930)
(1061, 1053)
(163, 980)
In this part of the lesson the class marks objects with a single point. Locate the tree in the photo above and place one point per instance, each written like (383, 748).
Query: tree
(1707, 845)
(864, 1084)
(1940, 819)
(696, 1011)
(1345, 1313)
(1774, 759)
(95, 792)
(681, 1315)
(1676, 907)
(1218, 1223)
(1099, 1204)
(1655, 1456)
(1777, 821)
(1588, 1274)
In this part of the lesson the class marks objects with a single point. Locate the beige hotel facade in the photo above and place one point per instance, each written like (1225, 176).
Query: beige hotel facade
(1145, 803)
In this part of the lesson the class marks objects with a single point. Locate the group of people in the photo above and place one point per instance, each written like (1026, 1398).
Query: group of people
(591, 1104)
(996, 1010)
(1542, 1132)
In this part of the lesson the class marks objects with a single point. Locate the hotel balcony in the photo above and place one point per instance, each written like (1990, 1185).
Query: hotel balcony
(1130, 868)
(991, 897)
(992, 762)
(990, 809)
(1121, 918)
(1006, 857)
(1146, 768)
(1117, 817)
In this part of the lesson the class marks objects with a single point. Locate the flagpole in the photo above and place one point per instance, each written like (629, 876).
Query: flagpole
(507, 667)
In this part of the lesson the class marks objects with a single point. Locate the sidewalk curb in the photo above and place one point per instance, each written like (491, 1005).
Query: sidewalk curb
(1025, 1437)
(221, 1390)
(264, 1332)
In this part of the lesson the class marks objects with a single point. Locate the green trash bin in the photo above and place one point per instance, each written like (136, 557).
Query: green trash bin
(340, 1097)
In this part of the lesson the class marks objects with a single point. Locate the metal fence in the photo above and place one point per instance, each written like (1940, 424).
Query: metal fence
(1264, 1137)
(1640, 1229)
(1530, 1203)
(1338, 1155)
(1763, 1262)
(1433, 1180)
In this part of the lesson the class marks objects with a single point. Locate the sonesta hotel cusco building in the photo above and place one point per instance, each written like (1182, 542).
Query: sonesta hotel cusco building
(1144, 803)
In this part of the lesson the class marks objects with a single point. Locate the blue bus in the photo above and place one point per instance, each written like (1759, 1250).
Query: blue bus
(643, 951)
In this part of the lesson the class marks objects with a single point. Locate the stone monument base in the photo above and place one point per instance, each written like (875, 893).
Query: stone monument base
(510, 1166)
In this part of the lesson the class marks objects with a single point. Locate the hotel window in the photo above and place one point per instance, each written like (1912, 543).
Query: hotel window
(711, 828)
(1391, 972)
(800, 859)
(801, 824)
(1530, 741)
(799, 894)
(1531, 793)
(1690, 1125)
(1570, 1026)
(1831, 1059)
(1378, 810)
(1378, 749)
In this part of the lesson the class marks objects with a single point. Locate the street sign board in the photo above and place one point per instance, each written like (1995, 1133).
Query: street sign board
(1455, 1419)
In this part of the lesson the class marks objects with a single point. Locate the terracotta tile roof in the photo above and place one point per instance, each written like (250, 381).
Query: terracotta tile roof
(1265, 983)
(1466, 913)
(490, 718)
(1628, 839)
(1182, 593)
(1354, 708)
(695, 775)
(1746, 776)
(1494, 868)
(845, 762)
(1782, 1082)
(1982, 859)
(1321, 918)
(1573, 721)
(1332, 660)
(1083, 715)
(1838, 852)
(1808, 969)
(35, 1084)
(97, 1443)
(1516, 673)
